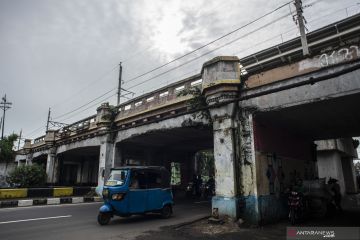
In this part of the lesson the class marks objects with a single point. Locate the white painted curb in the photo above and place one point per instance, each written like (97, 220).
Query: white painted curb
(25, 203)
(98, 199)
(53, 201)
(77, 200)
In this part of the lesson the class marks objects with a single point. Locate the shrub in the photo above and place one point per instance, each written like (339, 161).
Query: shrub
(28, 176)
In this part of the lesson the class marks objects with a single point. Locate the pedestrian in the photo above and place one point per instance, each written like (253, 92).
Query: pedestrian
(335, 189)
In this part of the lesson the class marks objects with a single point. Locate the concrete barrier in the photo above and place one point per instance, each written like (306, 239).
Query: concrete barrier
(53, 201)
(13, 193)
(63, 192)
(77, 200)
(25, 203)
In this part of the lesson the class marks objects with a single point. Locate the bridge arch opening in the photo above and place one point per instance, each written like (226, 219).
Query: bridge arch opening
(79, 167)
(184, 151)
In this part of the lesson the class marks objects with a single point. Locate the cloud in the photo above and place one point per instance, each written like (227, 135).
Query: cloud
(62, 54)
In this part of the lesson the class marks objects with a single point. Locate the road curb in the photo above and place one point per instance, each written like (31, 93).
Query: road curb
(47, 201)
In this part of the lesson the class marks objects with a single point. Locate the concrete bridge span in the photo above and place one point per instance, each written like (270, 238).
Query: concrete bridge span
(267, 128)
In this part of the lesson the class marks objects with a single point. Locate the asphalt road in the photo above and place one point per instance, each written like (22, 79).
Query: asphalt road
(78, 221)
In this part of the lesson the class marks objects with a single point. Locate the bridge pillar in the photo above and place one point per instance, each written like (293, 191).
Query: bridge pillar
(106, 160)
(52, 166)
(249, 201)
(27, 148)
(221, 78)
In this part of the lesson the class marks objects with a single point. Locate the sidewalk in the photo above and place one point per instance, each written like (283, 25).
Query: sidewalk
(201, 230)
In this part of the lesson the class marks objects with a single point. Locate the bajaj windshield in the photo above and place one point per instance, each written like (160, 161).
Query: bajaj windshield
(117, 178)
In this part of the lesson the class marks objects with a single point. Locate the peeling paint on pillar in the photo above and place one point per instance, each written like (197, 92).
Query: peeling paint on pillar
(224, 157)
(249, 202)
(105, 160)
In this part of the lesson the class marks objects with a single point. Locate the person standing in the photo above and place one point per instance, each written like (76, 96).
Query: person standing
(335, 189)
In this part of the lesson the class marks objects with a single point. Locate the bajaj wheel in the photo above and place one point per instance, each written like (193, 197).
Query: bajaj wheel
(104, 218)
(166, 211)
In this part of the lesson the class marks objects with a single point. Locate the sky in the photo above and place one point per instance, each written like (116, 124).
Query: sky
(65, 54)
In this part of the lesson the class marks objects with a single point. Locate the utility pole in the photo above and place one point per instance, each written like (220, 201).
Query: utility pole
(4, 105)
(19, 140)
(48, 120)
(119, 86)
(300, 21)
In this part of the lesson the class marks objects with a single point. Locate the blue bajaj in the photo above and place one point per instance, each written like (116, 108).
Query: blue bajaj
(136, 190)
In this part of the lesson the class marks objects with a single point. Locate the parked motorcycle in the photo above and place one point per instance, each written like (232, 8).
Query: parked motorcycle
(296, 207)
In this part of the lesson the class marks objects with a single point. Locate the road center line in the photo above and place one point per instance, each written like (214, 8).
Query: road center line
(35, 219)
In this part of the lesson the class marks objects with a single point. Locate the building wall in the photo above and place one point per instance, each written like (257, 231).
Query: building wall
(280, 158)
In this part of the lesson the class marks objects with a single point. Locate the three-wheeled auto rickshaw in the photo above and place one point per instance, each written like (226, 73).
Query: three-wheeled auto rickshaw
(133, 190)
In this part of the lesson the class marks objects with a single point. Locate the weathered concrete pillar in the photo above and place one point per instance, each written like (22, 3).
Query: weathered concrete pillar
(105, 160)
(52, 166)
(107, 151)
(349, 175)
(333, 158)
(249, 201)
(226, 200)
(118, 156)
(27, 149)
(85, 172)
(221, 78)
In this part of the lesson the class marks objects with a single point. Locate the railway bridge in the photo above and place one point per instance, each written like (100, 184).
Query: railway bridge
(268, 118)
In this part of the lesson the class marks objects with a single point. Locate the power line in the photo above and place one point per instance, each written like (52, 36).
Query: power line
(4, 105)
(209, 43)
(67, 113)
(34, 131)
(93, 105)
(87, 86)
(206, 53)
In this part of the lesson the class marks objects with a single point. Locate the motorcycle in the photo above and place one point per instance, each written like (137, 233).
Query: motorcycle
(208, 190)
(296, 207)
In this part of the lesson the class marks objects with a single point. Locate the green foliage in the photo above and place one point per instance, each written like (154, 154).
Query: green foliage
(112, 114)
(6, 148)
(206, 163)
(28, 176)
(198, 101)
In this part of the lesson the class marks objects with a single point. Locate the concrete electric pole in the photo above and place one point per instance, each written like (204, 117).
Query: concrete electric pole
(300, 21)
(119, 86)
(4, 105)
(48, 120)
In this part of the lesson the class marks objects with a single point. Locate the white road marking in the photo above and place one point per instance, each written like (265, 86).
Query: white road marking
(35, 219)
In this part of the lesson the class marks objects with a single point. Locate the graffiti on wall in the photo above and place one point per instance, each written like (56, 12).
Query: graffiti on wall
(275, 174)
(339, 56)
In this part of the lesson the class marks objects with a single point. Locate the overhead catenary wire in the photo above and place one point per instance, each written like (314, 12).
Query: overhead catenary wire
(209, 43)
(87, 86)
(206, 53)
(93, 100)
(91, 106)
(163, 65)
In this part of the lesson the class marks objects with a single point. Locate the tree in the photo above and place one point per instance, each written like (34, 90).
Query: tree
(7, 154)
(28, 176)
